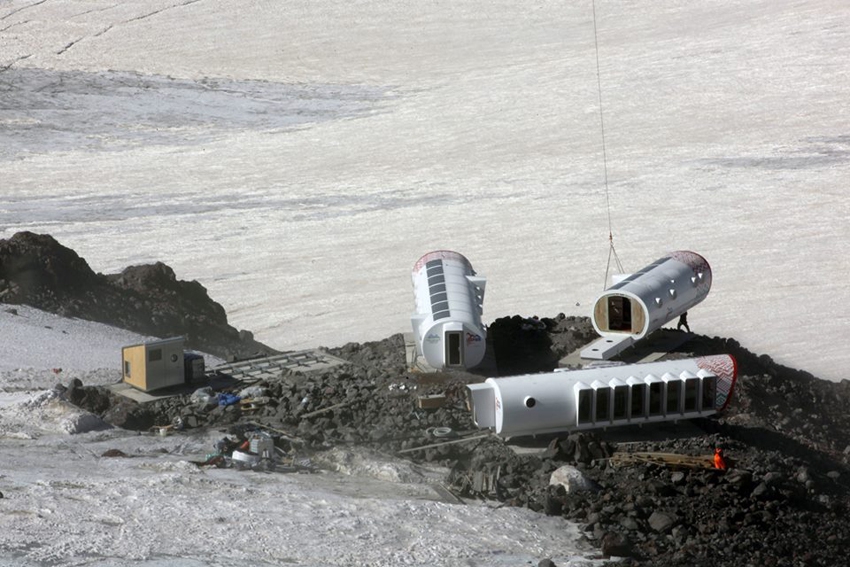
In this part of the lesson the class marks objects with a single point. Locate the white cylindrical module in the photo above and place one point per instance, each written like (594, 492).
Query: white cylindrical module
(601, 397)
(449, 300)
(653, 296)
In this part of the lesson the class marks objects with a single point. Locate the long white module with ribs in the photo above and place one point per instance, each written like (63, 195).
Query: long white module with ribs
(594, 398)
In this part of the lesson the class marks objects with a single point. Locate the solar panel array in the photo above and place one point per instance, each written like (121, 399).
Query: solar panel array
(437, 290)
(636, 275)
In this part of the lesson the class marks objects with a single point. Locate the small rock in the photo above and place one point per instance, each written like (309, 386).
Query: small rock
(571, 479)
(660, 488)
(772, 478)
(661, 522)
(760, 490)
(114, 453)
(616, 545)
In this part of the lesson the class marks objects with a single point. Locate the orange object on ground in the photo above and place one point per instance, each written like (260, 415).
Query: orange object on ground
(719, 461)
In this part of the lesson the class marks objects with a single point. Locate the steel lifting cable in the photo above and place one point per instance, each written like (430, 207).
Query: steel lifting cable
(611, 251)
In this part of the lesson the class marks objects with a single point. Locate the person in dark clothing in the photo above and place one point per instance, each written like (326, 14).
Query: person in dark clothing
(683, 322)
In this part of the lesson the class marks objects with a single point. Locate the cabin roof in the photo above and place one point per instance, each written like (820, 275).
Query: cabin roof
(158, 343)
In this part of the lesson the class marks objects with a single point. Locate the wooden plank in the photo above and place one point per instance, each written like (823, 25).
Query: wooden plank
(452, 442)
(672, 460)
(323, 410)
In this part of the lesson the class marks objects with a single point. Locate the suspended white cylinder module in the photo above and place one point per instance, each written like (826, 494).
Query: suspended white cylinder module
(593, 398)
(646, 300)
(449, 298)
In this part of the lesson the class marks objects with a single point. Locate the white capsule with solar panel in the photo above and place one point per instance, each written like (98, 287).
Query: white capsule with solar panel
(449, 297)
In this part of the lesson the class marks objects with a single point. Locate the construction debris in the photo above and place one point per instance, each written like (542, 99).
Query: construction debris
(432, 401)
(452, 442)
(669, 460)
(271, 367)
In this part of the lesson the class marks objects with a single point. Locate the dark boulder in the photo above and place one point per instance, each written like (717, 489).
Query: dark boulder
(130, 415)
(662, 521)
(616, 545)
(90, 398)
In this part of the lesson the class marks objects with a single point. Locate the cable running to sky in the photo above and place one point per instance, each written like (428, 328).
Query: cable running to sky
(612, 253)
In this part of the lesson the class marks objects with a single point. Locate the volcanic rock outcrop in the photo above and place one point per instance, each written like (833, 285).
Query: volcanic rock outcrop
(36, 270)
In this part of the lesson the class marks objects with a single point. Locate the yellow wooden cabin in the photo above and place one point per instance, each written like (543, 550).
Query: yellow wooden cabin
(154, 365)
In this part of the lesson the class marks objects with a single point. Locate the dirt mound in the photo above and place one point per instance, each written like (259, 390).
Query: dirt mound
(36, 270)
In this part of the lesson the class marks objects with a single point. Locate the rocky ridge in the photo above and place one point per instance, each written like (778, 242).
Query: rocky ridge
(36, 270)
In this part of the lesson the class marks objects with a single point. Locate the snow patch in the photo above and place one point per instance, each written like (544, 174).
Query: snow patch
(39, 342)
(121, 512)
(45, 412)
(362, 462)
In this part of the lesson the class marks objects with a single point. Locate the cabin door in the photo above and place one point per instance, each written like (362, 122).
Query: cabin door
(454, 348)
(619, 313)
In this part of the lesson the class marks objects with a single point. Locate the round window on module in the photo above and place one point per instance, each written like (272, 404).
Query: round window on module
(173, 358)
(530, 402)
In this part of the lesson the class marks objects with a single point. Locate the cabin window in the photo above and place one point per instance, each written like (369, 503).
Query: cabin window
(155, 355)
(126, 368)
(655, 398)
(674, 390)
(709, 386)
(584, 406)
(440, 306)
(691, 391)
(638, 398)
(621, 406)
(437, 297)
(438, 288)
(438, 279)
(619, 313)
(603, 404)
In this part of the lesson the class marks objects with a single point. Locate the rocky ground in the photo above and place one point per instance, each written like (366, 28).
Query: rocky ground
(784, 501)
